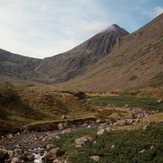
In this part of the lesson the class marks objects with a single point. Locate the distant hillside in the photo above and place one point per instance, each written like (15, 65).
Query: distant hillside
(136, 61)
(17, 66)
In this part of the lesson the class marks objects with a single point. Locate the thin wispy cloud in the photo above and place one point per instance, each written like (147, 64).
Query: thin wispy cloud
(42, 28)
(154, 12)
(158, 10)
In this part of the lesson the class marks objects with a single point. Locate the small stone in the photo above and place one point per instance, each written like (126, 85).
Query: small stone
(10, 136)
(15, 160)
(159, 101)
(49, 146)
(54, 153)
(80, 141)
(98, 120)
(101, 132)
(151, 147)
(63, 116)
(60, 126)
(95, 158)
(126, 105)
(145, 127)
(57, 137)
(57, 161)
(30, 157)
(18, 134)
(113, 146)
(78, 146)
(142, 151)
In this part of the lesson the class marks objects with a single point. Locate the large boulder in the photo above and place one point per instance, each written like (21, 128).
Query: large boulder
(53, 154)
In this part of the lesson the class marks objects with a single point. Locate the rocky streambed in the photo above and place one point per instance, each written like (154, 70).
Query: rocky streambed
(33, 146)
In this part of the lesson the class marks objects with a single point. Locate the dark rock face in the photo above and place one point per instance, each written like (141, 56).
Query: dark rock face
(68, 65)
(62, 67)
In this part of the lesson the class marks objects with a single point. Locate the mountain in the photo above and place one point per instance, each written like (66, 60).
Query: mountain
(17, 66)
(136, 61)
(62, 67)
(66, 66)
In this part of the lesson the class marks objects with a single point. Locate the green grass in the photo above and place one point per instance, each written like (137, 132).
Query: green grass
(128, 145)
(122, 100)
(67, 141)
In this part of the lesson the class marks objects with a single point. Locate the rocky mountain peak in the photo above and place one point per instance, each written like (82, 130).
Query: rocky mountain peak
(115, 28)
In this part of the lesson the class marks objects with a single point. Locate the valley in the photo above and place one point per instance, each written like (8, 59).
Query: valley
(101, 101)
(36, 120)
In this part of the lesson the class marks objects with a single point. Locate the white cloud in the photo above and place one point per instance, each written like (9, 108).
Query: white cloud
(154, 12)
(44, 28)
(158, 10)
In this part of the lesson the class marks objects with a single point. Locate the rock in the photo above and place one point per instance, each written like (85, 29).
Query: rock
(145, 127)
(151, 147)
(98, 120)
(25, 131)
(126, 105)
(30, 157)
(63, 116)
(78, 146)
(101, 132)
(95, 142)
(103, 125)
(11, 153)
(159, 101)
(110, 130)
(82, 140)
(49, 146)
(57, 161)
(10, 136)
(142, 151)
(66, 131)
(113, 146)
(18, 134)
(62, 126)
(120, 123)
(53, 154)
(3, 155)
(57, 137)
(15, 160)
(95, 158)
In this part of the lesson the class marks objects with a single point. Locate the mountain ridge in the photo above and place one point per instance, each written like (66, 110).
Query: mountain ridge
(135, 61)
(66, 66)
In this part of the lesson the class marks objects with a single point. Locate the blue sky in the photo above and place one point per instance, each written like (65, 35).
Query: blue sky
(43, 28)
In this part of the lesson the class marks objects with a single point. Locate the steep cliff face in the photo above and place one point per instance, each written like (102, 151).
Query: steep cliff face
(68, 65)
